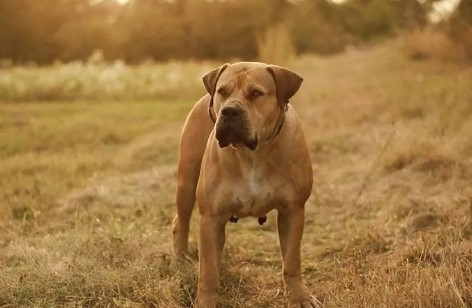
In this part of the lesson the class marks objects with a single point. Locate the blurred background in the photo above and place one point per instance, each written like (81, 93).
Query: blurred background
(46, 31)
(78, 33)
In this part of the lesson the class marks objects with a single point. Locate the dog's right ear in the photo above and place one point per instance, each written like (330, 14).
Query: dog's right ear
(211, 78)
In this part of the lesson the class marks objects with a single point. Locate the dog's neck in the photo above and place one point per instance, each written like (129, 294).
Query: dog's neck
(280, 121)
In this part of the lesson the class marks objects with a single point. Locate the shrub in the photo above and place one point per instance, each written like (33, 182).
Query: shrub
(431, 43)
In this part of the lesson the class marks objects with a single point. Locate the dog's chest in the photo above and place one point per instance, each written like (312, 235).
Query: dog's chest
(253, 195)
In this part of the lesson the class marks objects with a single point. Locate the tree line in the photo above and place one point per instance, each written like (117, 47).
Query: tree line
(50, 30)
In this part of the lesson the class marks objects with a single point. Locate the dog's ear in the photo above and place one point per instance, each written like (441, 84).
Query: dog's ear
(287, 83)
(210, 78)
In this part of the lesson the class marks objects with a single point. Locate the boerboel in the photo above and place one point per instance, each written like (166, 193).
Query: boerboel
(243, 153)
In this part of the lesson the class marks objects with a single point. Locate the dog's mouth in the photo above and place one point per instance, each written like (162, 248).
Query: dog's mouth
(234, 135)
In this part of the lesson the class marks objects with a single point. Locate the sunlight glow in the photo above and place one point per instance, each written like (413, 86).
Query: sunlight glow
(443, 9)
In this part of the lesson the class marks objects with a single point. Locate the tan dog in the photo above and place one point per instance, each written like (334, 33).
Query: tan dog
(254, 159)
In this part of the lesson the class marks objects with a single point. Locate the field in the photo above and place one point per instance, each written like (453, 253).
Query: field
(88, 182)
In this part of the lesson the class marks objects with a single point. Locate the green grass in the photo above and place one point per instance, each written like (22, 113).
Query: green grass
(87, 195)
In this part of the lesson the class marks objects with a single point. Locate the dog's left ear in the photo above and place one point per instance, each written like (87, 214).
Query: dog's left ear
(211, 78)
(287, 83)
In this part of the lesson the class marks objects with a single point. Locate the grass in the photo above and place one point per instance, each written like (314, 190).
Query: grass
(99, 81)
(87, 192)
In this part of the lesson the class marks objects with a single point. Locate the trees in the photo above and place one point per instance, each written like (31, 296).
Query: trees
(48, 30)
(461, 26)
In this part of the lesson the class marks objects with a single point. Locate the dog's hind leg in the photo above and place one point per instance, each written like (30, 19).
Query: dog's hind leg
(185, 200)
(193, 141)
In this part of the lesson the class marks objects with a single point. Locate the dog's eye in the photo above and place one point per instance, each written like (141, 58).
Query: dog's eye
(222, 92)
(256, 93)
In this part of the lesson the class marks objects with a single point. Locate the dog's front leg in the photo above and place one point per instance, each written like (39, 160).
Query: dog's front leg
(212, 239)
(290, 226)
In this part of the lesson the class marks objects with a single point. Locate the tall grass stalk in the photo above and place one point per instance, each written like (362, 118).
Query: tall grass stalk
(276, 46)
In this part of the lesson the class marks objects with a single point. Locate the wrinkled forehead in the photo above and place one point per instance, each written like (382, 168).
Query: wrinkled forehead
(243, 73)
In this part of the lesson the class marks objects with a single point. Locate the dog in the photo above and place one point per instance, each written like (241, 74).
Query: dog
(243, 153)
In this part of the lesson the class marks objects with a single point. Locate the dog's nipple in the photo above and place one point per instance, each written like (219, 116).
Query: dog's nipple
(262, 220)
(234, 219)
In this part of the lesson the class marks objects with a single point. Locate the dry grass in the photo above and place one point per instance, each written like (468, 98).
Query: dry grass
(87, 191)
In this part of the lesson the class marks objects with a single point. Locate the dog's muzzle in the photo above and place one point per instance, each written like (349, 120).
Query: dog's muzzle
(232, 128)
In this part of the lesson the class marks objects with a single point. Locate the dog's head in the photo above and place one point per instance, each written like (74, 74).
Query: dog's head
(248, 99)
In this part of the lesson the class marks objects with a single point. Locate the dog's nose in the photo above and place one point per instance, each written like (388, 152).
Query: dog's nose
(231, 112)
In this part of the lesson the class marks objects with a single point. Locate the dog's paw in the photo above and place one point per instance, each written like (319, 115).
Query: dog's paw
(308, 301)
(205, 301)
